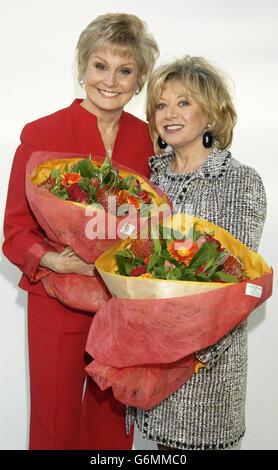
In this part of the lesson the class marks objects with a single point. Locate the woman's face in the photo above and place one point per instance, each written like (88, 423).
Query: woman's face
(110, 81)
(180, 120)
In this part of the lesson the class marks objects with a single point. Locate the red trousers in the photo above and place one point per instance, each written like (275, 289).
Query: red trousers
(60, 419)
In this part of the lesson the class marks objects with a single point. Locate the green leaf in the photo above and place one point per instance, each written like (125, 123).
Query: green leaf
(166, 255)
(170, 234)
(59, 191)
(193, 234)
(55, 173)
(152, 195)
(90, 190)
(225, 277)
(158, 273)
(207, 252)
(110, 177)
(125, 253)
(106, 165)
(84, 168)
(126, 261)
(175, 275)
(152, 262)
(121, 263)
(132, 186)
(156, 242)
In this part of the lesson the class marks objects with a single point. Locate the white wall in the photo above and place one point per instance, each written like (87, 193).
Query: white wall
(38, 40)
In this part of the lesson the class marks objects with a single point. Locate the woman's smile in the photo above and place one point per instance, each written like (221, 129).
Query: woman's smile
(108, 94)
(173, 127)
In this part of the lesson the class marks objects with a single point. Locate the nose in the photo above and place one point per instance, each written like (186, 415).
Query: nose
(171, 111)
(110, 79)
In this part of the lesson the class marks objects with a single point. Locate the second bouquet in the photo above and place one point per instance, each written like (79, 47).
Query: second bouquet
(174, 293)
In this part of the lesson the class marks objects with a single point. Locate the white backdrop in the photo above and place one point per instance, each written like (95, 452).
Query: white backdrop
(38, 76)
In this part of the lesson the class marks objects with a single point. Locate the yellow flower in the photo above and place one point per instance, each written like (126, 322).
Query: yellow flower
(146, 276)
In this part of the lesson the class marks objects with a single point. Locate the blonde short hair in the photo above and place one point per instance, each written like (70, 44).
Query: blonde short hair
(208, 87)
(127, 34)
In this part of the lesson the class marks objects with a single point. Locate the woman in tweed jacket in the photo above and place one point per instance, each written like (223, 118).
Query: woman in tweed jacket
(190, 108)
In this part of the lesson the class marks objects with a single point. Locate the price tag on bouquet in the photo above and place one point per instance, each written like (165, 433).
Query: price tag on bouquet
(127, 229)
(254, 290)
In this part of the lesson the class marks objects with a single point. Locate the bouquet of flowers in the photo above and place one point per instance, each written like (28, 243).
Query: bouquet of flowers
(88, 205)
(196, 256)
(89, 182)
(174, 294)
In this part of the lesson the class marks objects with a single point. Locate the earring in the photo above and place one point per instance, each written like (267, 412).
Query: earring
(207, 139)
(137, 91)
(161, 143)
(82, 82)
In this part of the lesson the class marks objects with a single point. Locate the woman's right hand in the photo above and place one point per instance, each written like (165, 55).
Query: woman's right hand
(66, 262)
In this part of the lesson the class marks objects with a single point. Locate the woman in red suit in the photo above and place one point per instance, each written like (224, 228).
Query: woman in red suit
(115, 57)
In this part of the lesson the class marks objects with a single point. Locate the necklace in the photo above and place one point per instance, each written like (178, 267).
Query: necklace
(109, 151)
(108, 135)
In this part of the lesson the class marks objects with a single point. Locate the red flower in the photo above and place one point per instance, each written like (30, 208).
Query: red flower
(94, 182)
(200, 269)
(137, 183)
(146, 260)
(123, 197)
(48, 184)
(77, 194)
(141, 247)
(133, 201)
(234, 267)
(107, 198)
(70, 178)
(210, 238)
(144, 196)
(138, 271)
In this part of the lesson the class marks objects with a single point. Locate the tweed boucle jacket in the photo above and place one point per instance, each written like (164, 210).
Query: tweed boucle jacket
(208, 411)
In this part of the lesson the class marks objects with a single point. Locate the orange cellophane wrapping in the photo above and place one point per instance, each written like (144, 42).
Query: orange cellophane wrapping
(67, 223)
(144, 347)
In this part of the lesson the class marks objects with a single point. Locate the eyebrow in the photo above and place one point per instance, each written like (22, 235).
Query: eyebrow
(178, 97)
(122, 65)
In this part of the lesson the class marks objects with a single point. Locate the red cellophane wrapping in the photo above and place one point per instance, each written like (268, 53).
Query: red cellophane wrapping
(144, 347)
(67, 223)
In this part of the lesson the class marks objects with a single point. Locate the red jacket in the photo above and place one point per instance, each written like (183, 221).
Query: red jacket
(74, 130)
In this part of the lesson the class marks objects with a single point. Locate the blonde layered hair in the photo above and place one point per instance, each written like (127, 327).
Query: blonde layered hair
(209, 88)
(128, 36)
